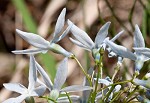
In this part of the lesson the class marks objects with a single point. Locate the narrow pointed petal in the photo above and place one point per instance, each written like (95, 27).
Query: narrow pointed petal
(103, 81)
(44, 76)
(60, 23)
(81, 35)
(55, 40)
(58, 49)
(117, 36)
(79, 44)
(117, 88)
(33, 39)
(120, 50)
(16, 87)
(138, 38)
(141, 49)
(18, 99)
(102, 34)
(61, 74)
(145, 83)
(65, 99)
(144, 51)
(30, 51)
(39, 91)
(76, 88)
(32, 73)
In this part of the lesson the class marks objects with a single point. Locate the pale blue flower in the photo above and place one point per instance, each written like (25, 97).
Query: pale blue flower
(142, 99)
(120, 50)
(139, 45)
(107, 81)
(84, 41)
(144, 83)
(61, 75)
(43, 45)
(32, 90)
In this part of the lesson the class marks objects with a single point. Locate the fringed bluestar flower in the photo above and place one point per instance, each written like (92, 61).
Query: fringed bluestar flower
(43, 45)
(59, 80)
(142, 99)
(138, 45)
(144, 83)
(84, 41)
(107, 81)
(31, 91)
(120, 50)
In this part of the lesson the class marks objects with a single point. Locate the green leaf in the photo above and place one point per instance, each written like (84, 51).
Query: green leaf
(26, 15)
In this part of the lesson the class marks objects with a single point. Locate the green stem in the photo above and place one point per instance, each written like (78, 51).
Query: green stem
(123, 82)
(88, 78)
(115, 98)
(47, 98)
(116, 71)
(108, 93)
(70, 101)
(131, 94)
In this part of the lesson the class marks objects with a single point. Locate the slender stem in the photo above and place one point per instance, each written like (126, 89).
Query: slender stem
(135, 90)
(46, 97)
(123, 82)
(108, 93)
(117, 95)
(116, 71)
(88, 78)
(70, 101)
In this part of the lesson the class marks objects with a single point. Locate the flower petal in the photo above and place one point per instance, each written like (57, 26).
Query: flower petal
(81, 36)
(16, 87)
(62, 36)
(61, 74)
(32, 73)
(120, 50)
(29, 51)
(102, 33)
(117, 36)
(79, 44)
(144, 83)
(39, 91)
(44, 76)
(76, 88)
(18, 99)
(103, 81)
(34, 39)
(60, 23)
(144, 51)
(138, 38)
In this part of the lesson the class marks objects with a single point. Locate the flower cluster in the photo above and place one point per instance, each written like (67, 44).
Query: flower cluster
(95, 88)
